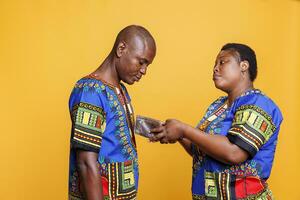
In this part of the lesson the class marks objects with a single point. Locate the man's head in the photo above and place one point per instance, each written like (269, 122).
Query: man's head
(134, 50)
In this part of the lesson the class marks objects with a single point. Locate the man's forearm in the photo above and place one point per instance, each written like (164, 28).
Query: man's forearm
(90, 177)
(91, 182)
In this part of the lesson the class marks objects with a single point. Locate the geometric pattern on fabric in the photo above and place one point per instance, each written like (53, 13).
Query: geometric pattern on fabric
(224, 186)
(251, 128)
(213, 116)
(121, 180)
(198, 197)
(74, 191)
(218, 186)
(88, 126)
(117, 106)
(122, 123)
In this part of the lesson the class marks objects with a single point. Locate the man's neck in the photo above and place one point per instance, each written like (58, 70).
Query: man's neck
(107, 71)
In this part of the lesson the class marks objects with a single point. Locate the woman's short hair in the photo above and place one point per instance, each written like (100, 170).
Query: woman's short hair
(245, 53)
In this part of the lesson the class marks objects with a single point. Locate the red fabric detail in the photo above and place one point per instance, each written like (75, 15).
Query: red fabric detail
(98, 122)
(247, 186)
(240, 191)
(253, 185)
(263, 126)
(104, 186)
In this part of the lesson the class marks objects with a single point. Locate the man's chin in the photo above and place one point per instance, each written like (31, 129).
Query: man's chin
(130, 82)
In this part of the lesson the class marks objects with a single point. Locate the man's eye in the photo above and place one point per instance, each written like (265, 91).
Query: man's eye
(222, 62)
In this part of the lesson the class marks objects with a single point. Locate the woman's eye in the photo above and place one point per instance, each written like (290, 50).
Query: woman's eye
(222, 62)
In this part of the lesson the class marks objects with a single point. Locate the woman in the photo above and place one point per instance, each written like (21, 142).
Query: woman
(233, 145)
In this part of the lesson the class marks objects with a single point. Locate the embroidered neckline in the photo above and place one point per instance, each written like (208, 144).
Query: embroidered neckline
(92, 76)
(246, 93)
(251, 91)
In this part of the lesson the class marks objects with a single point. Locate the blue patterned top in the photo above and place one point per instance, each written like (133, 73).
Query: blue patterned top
(102, 120)
(252, 122)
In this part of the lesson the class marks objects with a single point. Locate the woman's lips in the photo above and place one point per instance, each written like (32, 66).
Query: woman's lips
(216, 76)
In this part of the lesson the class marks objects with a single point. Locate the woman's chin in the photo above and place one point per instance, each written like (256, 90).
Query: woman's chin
(220, 86)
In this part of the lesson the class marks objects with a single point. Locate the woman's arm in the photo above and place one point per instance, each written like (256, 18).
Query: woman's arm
(187, 145)
(216, 146)
(87, 164)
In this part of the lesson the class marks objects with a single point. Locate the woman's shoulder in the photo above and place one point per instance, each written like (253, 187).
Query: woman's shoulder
(259, 102)
(256, 97)
(220, 100)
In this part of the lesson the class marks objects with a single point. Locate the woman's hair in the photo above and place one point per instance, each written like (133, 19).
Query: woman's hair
(244, 53)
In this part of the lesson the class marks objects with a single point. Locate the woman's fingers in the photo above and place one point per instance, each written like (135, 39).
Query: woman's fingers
(164, 141)
(157, 137)
(158, 129)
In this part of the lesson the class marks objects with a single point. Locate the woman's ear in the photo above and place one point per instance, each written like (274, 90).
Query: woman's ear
(244, 65)
(120, 49)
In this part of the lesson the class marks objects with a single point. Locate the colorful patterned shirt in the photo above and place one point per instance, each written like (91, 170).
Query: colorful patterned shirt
(102, 120)
(252, 122)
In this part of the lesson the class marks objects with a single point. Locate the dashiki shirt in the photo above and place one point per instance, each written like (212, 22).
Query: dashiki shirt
(102, 120)
(252, 122)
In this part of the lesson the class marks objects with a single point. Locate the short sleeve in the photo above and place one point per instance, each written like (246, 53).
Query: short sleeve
(88, 120)
(251, 128)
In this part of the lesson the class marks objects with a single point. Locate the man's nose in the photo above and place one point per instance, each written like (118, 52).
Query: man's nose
(143, 69)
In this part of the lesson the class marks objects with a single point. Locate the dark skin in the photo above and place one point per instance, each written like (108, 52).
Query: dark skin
(128, 61)
(89, 174)
(231, 76)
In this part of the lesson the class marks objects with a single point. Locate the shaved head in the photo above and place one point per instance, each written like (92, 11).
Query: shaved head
(133, 50)
(133, 34)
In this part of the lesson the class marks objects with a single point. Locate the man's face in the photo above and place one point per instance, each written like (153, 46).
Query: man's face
(134, 60)
(227, 71)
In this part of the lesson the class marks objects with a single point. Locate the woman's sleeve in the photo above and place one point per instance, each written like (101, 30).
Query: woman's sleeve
(252, 126)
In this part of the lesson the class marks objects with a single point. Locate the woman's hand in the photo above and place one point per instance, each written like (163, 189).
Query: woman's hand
(170, 132)
(159, 134)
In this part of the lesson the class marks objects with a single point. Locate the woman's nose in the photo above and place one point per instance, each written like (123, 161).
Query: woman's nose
(216, 68)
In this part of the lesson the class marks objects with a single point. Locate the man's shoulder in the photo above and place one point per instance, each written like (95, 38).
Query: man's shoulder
(87, 82)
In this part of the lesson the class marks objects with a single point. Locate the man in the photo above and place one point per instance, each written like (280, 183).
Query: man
(103, 157)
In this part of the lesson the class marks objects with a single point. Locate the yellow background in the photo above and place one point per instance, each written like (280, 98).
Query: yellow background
(47, 45)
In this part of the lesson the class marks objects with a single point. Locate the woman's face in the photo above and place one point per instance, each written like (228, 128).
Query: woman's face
(227, 72)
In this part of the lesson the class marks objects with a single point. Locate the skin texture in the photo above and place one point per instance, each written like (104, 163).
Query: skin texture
(231, 76)
(89, 175)
(133, 51)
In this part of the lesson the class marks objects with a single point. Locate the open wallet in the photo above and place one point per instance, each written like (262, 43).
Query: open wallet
(143, 125)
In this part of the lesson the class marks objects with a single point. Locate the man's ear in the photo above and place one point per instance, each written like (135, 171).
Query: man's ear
(244, 65)
(120, 49)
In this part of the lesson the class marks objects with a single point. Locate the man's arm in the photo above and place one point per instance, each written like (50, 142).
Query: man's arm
(90, 177)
